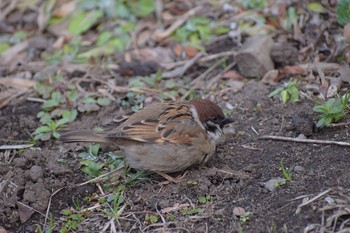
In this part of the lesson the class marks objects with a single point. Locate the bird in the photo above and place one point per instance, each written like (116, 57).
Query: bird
(163, 137)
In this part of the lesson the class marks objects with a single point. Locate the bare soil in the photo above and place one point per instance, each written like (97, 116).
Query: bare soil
(235, 177)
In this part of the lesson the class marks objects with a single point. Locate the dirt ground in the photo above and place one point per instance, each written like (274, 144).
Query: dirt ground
(234, 177)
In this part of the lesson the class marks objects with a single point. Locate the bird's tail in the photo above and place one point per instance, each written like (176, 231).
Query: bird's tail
(81, 136)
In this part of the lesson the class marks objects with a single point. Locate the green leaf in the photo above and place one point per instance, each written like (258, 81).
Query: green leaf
(45, 136)
(51, 103)
(70, 115)
(42, 129)
(103, 38)
(82, 21)
(320, 122)
(61, 122)
(73, 95)
(97, 51)
(170, 84)
(89, 100)
(153, 219)
(4, 46)
(275, 92)
(45, 118)
(142, 8)
(202, 200)
(343, 12)
(94, 148)
(319, 108)
(52, 125)
(40, 114)
(294, 93)
(56, 96)
(315, 7)
(56, 135)
(103, 101)
(285, 96)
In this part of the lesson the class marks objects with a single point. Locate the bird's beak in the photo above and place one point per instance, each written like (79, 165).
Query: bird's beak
(226, 120)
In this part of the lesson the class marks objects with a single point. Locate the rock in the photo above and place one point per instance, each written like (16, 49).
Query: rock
(35, 173)
(284, 54)
(254, 59)
(272, 184)
(299, 169)
(20, 162)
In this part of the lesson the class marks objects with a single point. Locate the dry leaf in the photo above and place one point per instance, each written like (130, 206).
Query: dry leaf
(344, 71)
(293, 70)
(231, 74)
(271, 77)
(65, 9)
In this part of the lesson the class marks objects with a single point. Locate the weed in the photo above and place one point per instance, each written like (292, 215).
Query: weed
(205, 199)
(116, 202)
(245, 217)
(333, 110)
(198, 29)
(151, 218)
(287, 173)
(289, 92)
(62, 105)
(71, 221)
(192, 211)
(343, 12)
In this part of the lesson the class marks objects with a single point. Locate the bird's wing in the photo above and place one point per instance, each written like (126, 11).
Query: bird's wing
(152, 131)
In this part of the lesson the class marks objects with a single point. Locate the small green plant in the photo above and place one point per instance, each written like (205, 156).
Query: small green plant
(116, 203)
(333, 110)
(49, 228)
(170, 217)
(343, 12)
(151, 218)
(287, 173)
(48, 130)
(205, 199)
(253, 4)
(71, 221)
(245, 217)
(289, 92)
(192, 211)
(62, 105)
(198, 29)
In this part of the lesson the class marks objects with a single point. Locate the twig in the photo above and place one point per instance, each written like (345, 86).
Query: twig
(15, 147)
(8, 9)
(49, 205)
(254, 130)
(315, 141)
(196, 82)
(218, 76)
(159, 35)
(338, 125)
(169, 66)
(180, 71)
(99, 178)
(311, 200)
(38, 100)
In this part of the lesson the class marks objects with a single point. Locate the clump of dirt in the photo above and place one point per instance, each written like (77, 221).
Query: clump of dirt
(235, 177)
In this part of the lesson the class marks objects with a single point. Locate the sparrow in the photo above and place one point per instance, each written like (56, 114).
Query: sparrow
(162, 137)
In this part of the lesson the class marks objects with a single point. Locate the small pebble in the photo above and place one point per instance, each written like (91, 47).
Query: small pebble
(299, 169)
(272, 184)
(35, 173)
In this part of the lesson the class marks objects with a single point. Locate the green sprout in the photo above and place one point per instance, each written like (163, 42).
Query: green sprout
(333, 110)
(289, 92)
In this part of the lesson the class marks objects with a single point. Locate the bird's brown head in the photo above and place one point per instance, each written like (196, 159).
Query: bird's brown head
(210, 113)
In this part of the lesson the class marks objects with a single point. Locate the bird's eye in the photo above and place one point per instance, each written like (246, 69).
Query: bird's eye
(214, 118)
